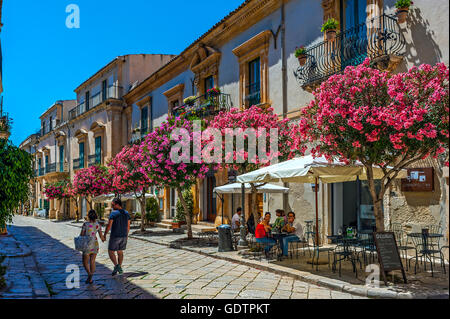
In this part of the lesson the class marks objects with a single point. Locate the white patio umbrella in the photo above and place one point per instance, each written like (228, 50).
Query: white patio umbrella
(307, 169)
(107, 198)
(236, 188)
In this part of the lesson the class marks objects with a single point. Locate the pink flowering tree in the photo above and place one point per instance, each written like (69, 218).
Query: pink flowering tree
(261, 128)
(382, 120)
(169, 159)
(58, 190)
(129, 175)
(91, 182)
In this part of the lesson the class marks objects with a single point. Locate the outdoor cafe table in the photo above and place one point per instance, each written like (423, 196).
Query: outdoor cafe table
(278, 236)
(426, 251)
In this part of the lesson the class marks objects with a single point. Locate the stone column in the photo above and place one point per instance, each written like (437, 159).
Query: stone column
(52, 210)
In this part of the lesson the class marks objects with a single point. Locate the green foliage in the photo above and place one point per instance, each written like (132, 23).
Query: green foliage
(152, 209)
(331, 24)
(189, 199)
(300, 51)
(403, 4)
(15, 174)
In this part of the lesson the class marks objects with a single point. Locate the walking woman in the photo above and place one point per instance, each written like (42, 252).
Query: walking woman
(91, 228)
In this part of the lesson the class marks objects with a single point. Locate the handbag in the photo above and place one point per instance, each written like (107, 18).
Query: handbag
(84, 243)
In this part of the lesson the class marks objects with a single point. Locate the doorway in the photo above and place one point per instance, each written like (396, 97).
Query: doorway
(209, 201)
(352, 207)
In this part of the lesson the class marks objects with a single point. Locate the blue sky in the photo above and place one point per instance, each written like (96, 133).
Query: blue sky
(44, 61)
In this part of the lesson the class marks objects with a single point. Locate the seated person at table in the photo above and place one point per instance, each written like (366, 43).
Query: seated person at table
(279, 221)
(261, 233)
(251, 224)
(295, 231)
(236, 220)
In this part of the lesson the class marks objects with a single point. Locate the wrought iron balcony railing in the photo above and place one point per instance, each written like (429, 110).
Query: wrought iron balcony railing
(112, 92)
(205, 106)
(94, 159)
(379, 39)
(50, 168)
(78, 163)
(41, 171)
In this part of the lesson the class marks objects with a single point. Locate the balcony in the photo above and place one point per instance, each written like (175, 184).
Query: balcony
(5, 125)
(379, 39)
(207, 105)
(112, 92)
(78, 163)
(50, 168)
(94, 160)
(41, 171)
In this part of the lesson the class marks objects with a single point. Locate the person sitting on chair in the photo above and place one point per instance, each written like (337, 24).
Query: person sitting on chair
(261, 233)
(295, 231)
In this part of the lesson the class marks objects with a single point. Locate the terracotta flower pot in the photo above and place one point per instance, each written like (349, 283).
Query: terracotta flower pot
(331, 35)
(302, 59)
(402, 14)
(176, 225)
(3, 232)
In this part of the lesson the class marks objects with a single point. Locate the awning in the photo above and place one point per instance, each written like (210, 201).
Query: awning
(236, 188)
(306, 169)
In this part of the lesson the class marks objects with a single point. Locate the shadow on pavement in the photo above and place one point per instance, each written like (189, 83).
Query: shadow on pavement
(55, 261)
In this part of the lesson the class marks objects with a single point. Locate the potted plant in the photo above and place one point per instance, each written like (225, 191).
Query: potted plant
(402, 10)
(213, 91)
(4, 127)
(189, 100)
(152, 211)
(300, 54)
(330, 28)
(180, 218)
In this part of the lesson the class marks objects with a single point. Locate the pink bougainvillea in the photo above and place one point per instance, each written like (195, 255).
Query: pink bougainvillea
(380, 119)
(57, 190)
(130, 176)
(261, 121)
(157, 159)
(91, 182)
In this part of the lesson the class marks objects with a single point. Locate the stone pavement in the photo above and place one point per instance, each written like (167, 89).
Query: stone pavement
(23, 279)
(420, 285)
(154, 270)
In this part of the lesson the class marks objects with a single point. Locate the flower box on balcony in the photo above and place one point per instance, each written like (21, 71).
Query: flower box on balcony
(213, 92)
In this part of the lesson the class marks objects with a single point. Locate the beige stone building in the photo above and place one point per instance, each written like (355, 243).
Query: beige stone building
(89, 130)
(249, 56)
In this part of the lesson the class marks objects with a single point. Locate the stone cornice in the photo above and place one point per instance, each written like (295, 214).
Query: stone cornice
(236, 23)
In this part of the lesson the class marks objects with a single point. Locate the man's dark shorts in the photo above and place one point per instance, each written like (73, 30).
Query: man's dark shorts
(117, 243)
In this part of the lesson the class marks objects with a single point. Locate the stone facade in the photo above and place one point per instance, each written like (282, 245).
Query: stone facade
(266, 31)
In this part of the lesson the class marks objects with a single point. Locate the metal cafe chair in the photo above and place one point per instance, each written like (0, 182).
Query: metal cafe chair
(295, 246)
(368, 247)
(403, 244)
(434, 241)
(341, 252)
(317, 249)
(425, 252)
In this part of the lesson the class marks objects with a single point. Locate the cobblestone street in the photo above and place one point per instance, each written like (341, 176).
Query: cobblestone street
(152, 270)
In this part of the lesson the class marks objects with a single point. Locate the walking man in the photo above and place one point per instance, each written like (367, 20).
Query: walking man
(119, 224)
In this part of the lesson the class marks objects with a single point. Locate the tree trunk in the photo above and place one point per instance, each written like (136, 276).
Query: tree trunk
(254, 203)
(186, 213)
(142, 201)
(376, 199)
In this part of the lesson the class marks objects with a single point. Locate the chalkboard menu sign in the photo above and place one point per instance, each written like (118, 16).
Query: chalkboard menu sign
(419, 180)
(388, 254)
